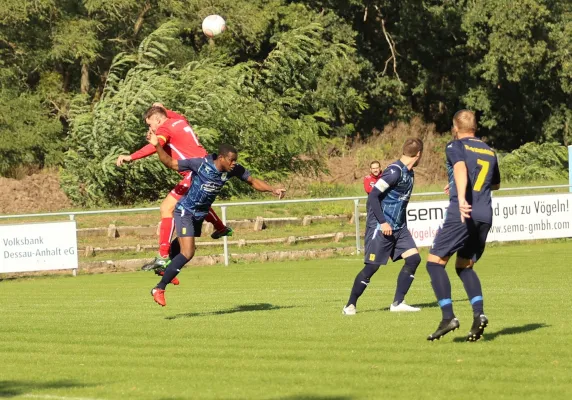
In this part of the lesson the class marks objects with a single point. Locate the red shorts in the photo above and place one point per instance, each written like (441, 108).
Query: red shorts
(182, 187)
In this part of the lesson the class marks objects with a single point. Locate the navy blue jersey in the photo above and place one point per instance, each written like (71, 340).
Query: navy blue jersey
(207, 183)
(396, 197)
(483, 173)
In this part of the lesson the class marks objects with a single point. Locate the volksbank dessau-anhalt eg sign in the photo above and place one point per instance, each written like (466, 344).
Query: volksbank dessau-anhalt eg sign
(38, 247)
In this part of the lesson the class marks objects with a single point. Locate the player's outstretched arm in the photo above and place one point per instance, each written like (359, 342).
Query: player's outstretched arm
(122, 159)
(163, 156)
(262, 186)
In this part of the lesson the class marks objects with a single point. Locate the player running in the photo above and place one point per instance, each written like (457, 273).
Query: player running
(473, 172)
(210, 172)
(180, 141)
(386, 233)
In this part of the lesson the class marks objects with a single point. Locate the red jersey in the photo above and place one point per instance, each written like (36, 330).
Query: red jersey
(177, 138)
(369, 181)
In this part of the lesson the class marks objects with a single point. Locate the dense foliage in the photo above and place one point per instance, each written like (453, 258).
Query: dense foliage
(286, 77)
(538, 162)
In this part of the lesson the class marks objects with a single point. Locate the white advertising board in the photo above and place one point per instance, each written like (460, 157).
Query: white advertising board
(38, 247)
(514, 218)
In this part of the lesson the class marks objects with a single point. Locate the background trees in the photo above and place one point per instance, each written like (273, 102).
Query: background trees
(286, 77)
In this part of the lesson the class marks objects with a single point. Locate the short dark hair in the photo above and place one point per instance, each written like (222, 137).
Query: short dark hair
(412, 146)
(224, 149)
(374, 162)
(154, 110)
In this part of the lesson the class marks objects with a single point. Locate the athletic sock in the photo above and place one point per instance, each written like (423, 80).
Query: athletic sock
(172, 270)
(165, 233)
(215, 220)
(361, 282)
(442, 288)
(405, 278)
(472, 285)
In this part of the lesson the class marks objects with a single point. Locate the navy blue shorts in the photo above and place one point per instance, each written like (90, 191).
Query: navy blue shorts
(467, 239)
(379, 247)
(186, 224)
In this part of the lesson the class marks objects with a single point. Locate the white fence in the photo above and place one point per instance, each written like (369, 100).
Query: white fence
(515, 218)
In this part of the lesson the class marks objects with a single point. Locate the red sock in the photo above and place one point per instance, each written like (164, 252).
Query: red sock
(165, 233)
(215, 220)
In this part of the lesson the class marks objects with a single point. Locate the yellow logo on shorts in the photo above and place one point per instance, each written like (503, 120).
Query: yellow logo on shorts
(184, 231)
(372, 257)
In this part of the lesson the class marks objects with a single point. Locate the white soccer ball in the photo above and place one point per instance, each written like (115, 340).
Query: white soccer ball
(213, 25)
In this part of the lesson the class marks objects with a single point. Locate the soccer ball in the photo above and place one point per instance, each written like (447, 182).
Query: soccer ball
(213, 25)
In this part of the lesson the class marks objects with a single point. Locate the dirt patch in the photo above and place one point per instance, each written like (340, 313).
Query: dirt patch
(35, 193)
(348, 163)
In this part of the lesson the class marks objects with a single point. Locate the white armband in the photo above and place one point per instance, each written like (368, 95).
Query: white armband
(381, 185)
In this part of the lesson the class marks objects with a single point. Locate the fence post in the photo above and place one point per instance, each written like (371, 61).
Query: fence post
(72, 218)
(356, 220)
(225, 238)
(570, 168)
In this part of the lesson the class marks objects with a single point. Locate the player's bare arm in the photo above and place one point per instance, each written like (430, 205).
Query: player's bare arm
(495, 187)
(167, 160)
(461, 179)
(262, 186)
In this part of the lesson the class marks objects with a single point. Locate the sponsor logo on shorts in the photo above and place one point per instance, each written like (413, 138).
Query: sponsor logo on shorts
(372, 257)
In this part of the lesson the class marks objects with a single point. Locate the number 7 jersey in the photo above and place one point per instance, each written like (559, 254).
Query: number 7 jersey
(483, 173)
(177, 138)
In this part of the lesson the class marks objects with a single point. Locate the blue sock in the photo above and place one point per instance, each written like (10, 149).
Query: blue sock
(442, 288)
(472, 285)
(172, 270)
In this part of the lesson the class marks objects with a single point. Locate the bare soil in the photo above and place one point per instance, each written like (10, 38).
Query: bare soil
(35, 193)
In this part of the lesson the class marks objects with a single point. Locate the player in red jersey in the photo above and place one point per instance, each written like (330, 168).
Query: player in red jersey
(180, 142)
(370, 180)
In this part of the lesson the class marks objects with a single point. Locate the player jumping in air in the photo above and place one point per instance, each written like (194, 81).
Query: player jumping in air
(180, 141)
(473, 172)
(210, 173)
(386, 233)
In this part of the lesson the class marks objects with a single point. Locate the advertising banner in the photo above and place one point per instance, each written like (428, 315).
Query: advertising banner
(514, 218)
(38, 247)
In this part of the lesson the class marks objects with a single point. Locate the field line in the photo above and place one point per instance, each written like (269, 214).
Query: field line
(52, 397)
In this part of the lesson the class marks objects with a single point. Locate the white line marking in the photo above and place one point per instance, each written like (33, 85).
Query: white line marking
(48, 396)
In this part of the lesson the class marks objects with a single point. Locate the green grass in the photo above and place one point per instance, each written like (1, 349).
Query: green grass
(275, 331)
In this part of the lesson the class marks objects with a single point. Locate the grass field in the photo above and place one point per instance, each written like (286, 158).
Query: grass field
(275, 331)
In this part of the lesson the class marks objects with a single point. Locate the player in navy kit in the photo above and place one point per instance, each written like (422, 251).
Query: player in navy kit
(210, 174)
(386, 232)
(473, 172)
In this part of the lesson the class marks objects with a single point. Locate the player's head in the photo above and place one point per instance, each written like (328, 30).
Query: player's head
(464, 123)
(375, 168)
(154, 117)
(413, 148)
(227, 156)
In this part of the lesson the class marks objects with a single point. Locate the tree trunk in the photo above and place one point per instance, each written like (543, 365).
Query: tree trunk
(67, 78)
(84, 78)
(140, 17)
(100, 87)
